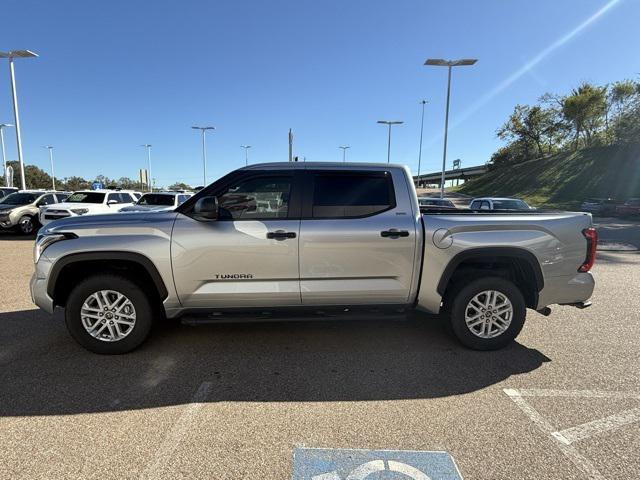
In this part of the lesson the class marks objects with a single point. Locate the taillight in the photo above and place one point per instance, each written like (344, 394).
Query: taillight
(592, 243)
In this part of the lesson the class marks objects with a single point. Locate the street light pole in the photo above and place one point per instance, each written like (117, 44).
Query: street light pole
(246, 154)
(423, 102)
(4, 153)
(344, 152)
(53, 175)
(204, 152)
(438, 62)
(148, 147)
(389, 123)
(16, 116)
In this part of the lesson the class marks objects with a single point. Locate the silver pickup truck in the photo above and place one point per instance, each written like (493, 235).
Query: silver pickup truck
(304, 237)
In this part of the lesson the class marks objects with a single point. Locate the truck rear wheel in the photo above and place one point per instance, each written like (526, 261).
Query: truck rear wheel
(108, 314)
(487, 313)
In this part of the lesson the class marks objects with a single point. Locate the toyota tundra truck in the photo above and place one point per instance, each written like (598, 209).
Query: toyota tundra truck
(310, 237)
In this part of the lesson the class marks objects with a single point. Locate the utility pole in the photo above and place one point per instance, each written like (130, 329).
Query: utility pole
(148, 147)
(16, 115)
(246, 154)
(389, 123)
(438, 62)
(4, 153)
(53, 175)
(204, 152)
(423, 102)
(344, 152)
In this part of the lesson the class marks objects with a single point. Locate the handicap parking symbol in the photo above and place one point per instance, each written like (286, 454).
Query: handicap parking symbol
(351, 464)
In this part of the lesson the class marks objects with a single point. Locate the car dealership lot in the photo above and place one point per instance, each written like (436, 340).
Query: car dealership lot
(232, 401)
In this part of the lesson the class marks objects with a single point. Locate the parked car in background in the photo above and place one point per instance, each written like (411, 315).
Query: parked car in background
(6, 191)
(491, 203)
(158, 202)
(19, 210)
(87, 202)
(600, 206)
(435, 203)
(630, 208)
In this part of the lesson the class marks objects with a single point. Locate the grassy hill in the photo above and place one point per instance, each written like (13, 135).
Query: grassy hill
(565, 179)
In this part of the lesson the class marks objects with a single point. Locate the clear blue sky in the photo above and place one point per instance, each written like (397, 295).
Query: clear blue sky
(115, 74)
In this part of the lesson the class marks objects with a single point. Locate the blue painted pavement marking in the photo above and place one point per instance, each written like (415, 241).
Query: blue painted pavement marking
(348, 464)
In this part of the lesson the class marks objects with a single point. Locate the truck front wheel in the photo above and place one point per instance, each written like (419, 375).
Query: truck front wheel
(108, 314)
(487, 313)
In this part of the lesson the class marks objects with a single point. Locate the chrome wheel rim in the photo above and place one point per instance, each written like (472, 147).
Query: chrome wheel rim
(488, 314)
(108, 315)
(26, 225)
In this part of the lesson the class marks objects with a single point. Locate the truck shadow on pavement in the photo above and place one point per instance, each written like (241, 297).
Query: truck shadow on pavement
(44, 372)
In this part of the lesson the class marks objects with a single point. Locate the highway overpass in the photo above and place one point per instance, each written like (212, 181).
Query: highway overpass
(460, 175)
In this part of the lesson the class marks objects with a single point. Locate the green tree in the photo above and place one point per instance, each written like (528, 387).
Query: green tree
(535, 127)
(72, 184)
(35, 177)
(179, 186)
(585, 109)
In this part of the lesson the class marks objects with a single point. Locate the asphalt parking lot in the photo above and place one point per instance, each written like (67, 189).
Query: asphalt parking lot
(233, 401)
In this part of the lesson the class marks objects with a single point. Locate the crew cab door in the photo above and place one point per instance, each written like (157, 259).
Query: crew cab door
(357, 238)
(248, 257)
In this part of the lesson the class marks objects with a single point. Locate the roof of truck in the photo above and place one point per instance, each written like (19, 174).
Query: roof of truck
(307, 165)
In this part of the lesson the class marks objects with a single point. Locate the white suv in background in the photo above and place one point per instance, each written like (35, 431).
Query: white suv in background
(88, 202)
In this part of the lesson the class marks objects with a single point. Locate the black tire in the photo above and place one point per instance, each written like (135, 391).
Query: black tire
(27, 225)
(139, 298)
(465, 294)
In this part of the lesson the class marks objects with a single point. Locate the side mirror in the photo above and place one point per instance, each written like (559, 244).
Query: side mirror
(112, 202)
(206, 209)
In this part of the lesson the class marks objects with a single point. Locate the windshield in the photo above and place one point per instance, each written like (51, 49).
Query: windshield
(156, 199)
(19, 198)
(510, 205)
(85, 197)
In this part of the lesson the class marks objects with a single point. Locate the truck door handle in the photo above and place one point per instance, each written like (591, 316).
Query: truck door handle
(281, 235)
(394, 233)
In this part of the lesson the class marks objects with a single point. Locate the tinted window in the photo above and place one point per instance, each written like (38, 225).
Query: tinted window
(62, 196)
(474, 205)
(256, 198)
(182, 199)
(126, 198)
(19, 199)
(347, 195)
(484, 205)
(510, 205)
(47, 200)
(114, 197)
(86, 197)
(156, 199)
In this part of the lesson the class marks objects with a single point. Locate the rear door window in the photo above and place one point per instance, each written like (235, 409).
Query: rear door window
(351, 194)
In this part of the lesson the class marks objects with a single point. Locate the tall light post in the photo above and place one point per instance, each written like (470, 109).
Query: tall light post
(438, 62)
(389, 123)
(246, 153)
(423, 102)
(53, 175)
(148, 148)
(16, 116)
(344, 152)
(204, 152)
(4, 153)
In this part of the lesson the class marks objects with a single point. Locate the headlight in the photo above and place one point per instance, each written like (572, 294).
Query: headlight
(79, 211)
(44, 240)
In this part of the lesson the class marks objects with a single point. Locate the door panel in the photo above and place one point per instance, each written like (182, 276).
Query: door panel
(234, 264)
(348, 260)
(248, 257)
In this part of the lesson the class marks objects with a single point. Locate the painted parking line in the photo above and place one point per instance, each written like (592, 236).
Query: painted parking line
(176, 434)
(565, 438)
(354, 464)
